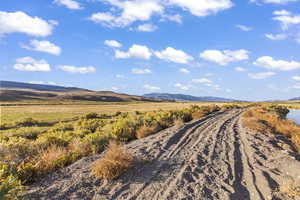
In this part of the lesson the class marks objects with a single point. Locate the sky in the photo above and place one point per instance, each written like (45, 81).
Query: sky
(242, 49)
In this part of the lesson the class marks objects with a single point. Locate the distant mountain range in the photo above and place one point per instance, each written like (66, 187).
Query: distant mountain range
(295, 99)
(18, 91)
(183, 97)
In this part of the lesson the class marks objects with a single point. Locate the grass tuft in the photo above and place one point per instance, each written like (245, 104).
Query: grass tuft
(114, 163)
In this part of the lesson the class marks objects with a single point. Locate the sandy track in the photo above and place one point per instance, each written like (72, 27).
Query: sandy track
(212, 158)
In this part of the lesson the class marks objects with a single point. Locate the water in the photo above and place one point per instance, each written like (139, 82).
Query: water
(294, 115)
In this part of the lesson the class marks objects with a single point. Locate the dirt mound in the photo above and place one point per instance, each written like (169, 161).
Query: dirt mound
(212, 158)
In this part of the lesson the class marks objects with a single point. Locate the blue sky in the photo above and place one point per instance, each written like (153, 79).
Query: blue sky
(228, 48)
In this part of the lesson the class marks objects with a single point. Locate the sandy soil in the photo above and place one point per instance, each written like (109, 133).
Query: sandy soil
(212, 158)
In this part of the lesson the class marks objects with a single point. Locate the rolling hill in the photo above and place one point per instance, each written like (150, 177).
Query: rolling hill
(183, 97)
(18, 91)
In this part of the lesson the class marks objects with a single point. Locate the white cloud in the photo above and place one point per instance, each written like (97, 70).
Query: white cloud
(140, 71)
(173, 55)
(296, 78)
(286, 18)
(113, 43)
(268, 62)
(281, 12)
(298, 40)
(20, 22)
(43, 46)
(244, 28)
(201, 80)
(120, 76)
(135, 51)
(184, 70)
(71, 4)
(80, 70)
(150, 87)
(147, 28)
(124, 13)
(204, 7)
(240, 69)
(225, 57)
(261, 75)
(175, 18)
(182, 87)
(276, 36)
(279, 1)
(44, 82)
(30, 64)
(131, 11)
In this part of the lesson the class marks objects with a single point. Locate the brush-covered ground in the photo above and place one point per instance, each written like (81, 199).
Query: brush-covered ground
(192, 152)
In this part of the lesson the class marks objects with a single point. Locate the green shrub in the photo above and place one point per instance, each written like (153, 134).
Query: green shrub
(27, 122)
(88, 125)
(62, 126)
(125, 128)
(91, 115)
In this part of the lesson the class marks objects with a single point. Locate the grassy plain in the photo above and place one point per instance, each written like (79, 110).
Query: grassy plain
(60, 112)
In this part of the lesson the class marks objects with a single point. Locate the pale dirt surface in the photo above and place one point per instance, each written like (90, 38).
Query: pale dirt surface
(212, 158)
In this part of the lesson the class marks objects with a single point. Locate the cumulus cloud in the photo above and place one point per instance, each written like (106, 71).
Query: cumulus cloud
(279, 1)
(184, 70)
(135, 51)
(201, 80)
(261, 75)
(182, 87)
(173, 55)
(124, 13)
(79, 70)
(204, 7)
(131, 11)
(286, 18)
(151, 87)
(120, 76)
(113, 43)
(296, 78)
(147, 28)
(296, 86)
(268, 62)
(20, 22)
(276, 36)
(43, 46)
(225, 57)
(30, 64)
(175, 18)
(71, 4)
(141, 71)
(244, 28)
(240, 69)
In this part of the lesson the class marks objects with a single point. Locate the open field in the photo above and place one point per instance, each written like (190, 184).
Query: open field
(69, 111)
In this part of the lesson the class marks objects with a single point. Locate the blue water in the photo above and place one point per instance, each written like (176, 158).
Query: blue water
(294, 115)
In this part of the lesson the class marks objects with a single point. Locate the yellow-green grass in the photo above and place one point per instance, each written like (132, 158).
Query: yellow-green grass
(54, 113)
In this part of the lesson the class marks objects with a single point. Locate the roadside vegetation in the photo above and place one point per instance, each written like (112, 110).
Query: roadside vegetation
(30, 148)
(272, 119)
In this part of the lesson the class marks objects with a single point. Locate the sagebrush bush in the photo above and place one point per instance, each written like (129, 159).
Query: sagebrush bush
(114, 163)
(27, 122)
(91, 115)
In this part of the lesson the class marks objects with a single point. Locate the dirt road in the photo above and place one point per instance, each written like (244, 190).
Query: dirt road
(212, 158)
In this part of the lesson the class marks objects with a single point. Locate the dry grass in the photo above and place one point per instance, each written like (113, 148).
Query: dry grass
(114, 163)
(290, 191)
(48, 158)
(259, 119)
(178, 123)
(145, 131)
(80, 148)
